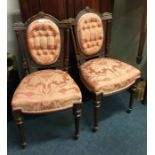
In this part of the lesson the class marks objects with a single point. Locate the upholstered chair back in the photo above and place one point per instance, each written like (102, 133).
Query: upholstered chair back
(43, 38)
(41, 43)
(90, 33)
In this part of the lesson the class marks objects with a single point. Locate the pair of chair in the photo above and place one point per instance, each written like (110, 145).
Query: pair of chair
(48, 87)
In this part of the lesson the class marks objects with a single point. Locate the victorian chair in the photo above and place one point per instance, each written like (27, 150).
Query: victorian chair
(47, 87)
(100, 74)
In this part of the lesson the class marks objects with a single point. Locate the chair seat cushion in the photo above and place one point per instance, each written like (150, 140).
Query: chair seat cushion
(108, 75)
(46, 91)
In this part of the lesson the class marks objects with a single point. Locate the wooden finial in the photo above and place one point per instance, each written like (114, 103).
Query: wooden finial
(87, 8)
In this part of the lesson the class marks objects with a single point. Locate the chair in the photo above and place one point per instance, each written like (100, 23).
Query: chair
(47, 87)
(100, 74)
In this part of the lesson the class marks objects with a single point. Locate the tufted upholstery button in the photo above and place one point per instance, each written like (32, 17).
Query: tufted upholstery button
(49, 27)
(51, 52)
(55, 47)
(99, 25)
(43, 28)
(38, 53)
(100, 37)
(45, 52)
(36, 29)
(88, 45)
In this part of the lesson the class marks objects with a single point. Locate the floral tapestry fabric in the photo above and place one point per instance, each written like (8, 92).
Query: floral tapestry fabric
(46, 91)
(107, 75)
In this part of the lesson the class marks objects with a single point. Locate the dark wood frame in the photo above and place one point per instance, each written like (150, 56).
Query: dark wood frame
(104, 52)
(30, 66)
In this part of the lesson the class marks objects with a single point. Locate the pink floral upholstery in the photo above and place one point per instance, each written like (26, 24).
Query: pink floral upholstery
(46, 91)
(43, 37)
(90, 33)
(108, 75)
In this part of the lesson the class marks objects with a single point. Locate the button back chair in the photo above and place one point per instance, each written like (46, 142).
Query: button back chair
(47, 87)
(100, 74)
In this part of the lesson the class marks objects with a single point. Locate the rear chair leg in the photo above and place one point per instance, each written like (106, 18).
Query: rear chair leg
(144, 101)
(96, 105)
(132, 94)
(20, 124)
(77, 109)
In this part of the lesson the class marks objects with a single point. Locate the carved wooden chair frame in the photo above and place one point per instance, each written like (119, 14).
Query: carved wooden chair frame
(103, 52)
(30, 66)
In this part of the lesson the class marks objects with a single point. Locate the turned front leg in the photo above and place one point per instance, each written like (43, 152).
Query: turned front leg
(77, 109)
(96, 107)
(20, 124)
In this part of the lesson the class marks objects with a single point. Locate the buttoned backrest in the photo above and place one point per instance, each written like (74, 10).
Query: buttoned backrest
(90, 33)
(43, 38)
